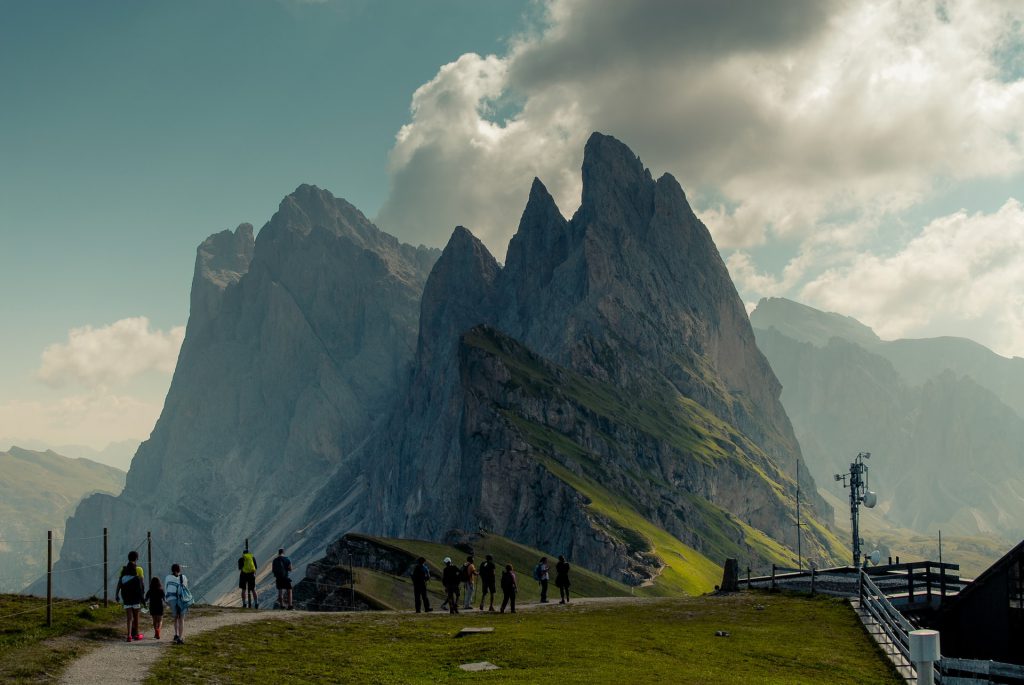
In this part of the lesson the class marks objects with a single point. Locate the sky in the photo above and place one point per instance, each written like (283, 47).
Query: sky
(861, 157)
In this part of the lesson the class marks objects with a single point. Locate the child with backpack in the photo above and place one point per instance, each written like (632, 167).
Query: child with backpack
(155, 597)
(179, 598)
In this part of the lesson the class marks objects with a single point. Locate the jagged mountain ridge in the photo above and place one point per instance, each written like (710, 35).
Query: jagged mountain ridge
(615, 374)
(295, 343)
(946, 446)
(631, 295)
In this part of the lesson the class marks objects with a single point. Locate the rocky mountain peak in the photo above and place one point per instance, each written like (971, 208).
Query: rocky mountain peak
(309, 208)
(542, 242)
(221, 261)
(616, 186)
(458, 293)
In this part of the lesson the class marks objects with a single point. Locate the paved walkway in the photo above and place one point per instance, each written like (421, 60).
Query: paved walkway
(123, 662)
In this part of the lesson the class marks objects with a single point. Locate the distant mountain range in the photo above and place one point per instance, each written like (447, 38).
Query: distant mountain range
(38, 492)
(942, 417)
(601, 394)
(116, 454)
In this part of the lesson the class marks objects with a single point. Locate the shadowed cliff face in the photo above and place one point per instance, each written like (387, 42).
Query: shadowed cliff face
(630, 294)
(295, 346)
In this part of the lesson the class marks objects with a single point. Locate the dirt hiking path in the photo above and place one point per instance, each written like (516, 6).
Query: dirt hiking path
(124, 662)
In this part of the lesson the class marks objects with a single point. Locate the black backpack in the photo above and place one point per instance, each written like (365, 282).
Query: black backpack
(464, 573)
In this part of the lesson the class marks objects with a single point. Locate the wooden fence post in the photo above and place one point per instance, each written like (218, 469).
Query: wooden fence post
(49, 578)
(105, 576)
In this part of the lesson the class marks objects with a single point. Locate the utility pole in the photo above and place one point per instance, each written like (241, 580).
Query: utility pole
(799, 523)
(859, 494)
(149, 552)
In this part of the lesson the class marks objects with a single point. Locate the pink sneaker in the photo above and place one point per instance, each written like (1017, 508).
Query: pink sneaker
(139, 636)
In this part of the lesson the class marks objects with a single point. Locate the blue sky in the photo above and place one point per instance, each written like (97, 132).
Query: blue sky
(129, 131)
(864, 158)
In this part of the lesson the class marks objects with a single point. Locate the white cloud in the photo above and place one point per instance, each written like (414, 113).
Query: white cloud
(96, 419)
(808, 124)
(110, 354)
(963, 275)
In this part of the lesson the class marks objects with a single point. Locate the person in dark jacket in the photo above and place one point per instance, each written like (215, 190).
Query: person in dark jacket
(420, 577)
(509, 588)
(562, 579)
(487, 577)
(450, 578)
(131, 591)
(155, 597)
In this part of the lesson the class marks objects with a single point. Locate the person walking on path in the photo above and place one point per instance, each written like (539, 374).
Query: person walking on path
(450, 579)
(487, 572)
(469, 574)
(172, 585)
(542, 576)
(562, 579)
(131, 591)
(420, 578)
(155, 597)
(509, 588)
(247, 579)
(281, 567)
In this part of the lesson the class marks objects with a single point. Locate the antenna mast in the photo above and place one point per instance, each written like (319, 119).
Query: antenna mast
(859, 494)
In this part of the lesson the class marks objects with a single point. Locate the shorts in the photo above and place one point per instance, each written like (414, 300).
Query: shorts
(283, 583)
(488, 585)
(176, 609)
(132, 606)
(247, 581)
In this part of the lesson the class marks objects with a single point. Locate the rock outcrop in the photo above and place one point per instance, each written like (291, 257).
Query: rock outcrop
(295, 346)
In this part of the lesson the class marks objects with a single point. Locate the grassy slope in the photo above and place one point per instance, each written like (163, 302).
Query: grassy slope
(669, 640)
(584, 583)
(678, 421)
(29, 651)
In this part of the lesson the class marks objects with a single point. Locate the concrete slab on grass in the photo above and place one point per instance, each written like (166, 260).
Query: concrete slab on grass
(473, 631)
(479, 666)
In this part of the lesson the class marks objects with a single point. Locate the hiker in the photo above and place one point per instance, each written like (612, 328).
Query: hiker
(509, 588)
(420, 578)
(562, 579)
(468, 581)
(172, 585)
(247, 579)
(487, 571)
(281, 567)
(155, 597)
(541, 575)
(450, 580)
(131, 591)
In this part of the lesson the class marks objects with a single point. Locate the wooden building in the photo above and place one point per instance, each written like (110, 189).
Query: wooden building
(986, 620)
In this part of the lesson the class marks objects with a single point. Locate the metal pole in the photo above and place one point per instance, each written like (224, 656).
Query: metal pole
(352, 581)
(854, 518)
(49, 578)
(799, 548)
(105, 576)
(247, 544)
(149, 552)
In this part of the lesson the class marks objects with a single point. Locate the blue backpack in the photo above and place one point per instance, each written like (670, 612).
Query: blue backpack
(182, 596)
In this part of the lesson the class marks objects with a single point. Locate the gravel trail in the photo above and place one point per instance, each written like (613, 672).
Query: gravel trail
(123, 662)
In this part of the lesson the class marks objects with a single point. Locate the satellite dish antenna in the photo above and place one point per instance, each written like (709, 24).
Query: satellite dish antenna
(876, 556)
(870, 499)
